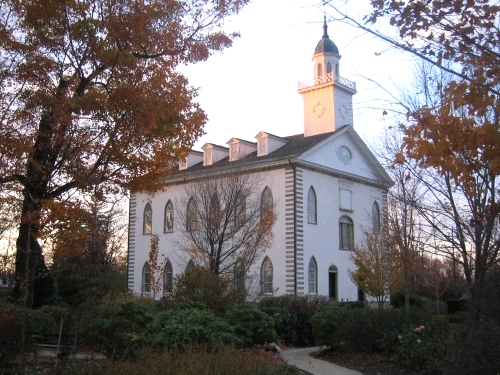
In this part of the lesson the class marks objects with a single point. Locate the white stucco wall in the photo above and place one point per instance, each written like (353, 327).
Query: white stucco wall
(321, 240)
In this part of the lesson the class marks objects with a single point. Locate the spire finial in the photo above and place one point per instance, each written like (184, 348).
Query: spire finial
(325, 27)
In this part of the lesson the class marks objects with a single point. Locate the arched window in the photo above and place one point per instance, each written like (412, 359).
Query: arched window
(148, 220)
(146, 278)
(337, 69)
(375, 218)
(328, 68)
(266, 203)
(313, 276)
(312, 206)
(169, 218)
(190, 266)
(240, 209)
(239, 277)
(320, 70)
(214, 214)
(168, 278)
(346, 231)
(266, 276)
(192, 215)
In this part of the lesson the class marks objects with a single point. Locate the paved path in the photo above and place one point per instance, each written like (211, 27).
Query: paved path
(301, 359)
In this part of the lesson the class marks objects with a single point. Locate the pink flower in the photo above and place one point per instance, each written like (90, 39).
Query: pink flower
(418, 329)
(418, 341)
(422, 327)
(400, 337)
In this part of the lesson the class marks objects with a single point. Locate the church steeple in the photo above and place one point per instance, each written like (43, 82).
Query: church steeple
(328, 97)
(325, 28)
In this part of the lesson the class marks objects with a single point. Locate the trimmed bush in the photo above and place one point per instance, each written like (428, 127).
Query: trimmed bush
(184, 328)
(251, 325)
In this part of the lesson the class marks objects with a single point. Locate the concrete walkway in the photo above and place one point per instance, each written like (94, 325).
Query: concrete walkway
(301, 359)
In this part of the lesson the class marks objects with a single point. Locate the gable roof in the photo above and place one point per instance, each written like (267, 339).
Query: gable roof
(296, 146)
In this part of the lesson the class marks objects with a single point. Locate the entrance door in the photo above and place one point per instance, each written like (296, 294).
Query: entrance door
(332, 282)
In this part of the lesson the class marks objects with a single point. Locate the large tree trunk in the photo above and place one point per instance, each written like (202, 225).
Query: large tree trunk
(33, 284)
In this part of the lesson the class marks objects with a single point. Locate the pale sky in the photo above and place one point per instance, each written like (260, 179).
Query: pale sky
(252, 86)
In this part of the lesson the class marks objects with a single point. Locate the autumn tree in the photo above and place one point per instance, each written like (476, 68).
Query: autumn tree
(88, 251)
(227, 223)
(91, 100)
(455, 139)
(375, 273)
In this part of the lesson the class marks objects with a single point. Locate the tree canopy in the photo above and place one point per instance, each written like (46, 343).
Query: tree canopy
(91, 100)
(454, 137)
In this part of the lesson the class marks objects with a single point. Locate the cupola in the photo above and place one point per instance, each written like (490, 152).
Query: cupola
(327, 96)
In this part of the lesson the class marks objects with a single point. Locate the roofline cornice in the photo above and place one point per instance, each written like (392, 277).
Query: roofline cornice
(343, 175)
(253, 167)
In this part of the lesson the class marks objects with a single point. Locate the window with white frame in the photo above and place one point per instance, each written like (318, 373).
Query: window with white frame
(266, 276)
(313, 276)
(169, 217)
(346, 233)
(312, 206)
(148, 219)
(168, 278)
(146, 278)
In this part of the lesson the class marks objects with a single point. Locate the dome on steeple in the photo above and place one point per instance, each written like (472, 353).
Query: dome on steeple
(325, 45)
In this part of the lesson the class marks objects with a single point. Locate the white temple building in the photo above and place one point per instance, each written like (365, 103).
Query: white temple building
(325, 183)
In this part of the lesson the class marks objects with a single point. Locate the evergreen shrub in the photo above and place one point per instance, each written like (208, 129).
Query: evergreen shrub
(115, 331)
(183, 328)
(251, 325)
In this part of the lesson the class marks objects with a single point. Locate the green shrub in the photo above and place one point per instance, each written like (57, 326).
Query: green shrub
(398, 300)
(115, 333)
(281, 318)
(40, 322)
(251, 325)
(203, 286)
(423, 348)
(183, 328)
(368, 330)
(297, 329)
